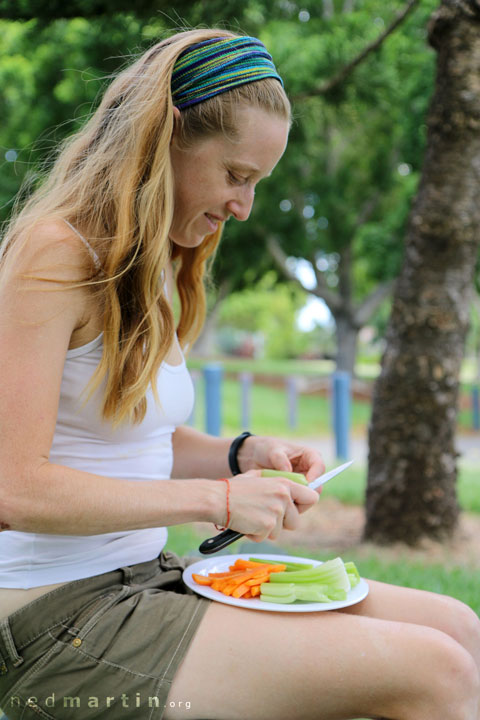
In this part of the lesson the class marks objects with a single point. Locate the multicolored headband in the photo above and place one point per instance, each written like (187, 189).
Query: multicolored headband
(214, 66)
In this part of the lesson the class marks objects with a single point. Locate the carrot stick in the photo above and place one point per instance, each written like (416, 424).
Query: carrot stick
(202, 579)
(258, 580)
(246, 564)
(228, 573)
(243, 579)
(240, 590)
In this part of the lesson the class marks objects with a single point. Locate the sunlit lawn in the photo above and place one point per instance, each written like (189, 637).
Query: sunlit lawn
(269, 410)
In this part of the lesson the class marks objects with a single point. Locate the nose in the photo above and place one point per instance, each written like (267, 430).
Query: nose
(240, 205)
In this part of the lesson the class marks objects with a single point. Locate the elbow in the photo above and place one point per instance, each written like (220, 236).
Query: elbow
(18, 504)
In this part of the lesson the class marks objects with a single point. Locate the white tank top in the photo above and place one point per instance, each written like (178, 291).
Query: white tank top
(83, 440)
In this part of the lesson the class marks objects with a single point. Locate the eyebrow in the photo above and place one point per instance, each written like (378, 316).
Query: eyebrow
(246, 167)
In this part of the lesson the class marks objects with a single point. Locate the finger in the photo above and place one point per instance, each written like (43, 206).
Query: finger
(255, 538)
(291, 517)
(303, 508)
(280, 460)
(277, 530)
(313, 462)
(302, 494)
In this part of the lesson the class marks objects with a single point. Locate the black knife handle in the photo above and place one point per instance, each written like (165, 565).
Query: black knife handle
(218, 542)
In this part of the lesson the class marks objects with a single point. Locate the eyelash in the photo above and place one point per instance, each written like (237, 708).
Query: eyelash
(234, 180)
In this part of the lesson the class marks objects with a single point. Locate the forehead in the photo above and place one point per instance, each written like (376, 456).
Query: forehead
(260, 142)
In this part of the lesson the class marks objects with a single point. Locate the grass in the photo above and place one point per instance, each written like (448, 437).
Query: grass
(350, 487)
(269, 412)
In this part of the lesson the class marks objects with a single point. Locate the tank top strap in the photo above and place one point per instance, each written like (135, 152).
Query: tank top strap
(91, 251)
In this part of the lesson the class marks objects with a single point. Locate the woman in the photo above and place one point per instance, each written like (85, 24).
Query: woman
(96, 461)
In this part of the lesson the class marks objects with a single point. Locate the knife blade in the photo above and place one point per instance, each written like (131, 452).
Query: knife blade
(226, 537)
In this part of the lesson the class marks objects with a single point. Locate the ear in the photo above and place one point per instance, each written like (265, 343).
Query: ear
(176, 123)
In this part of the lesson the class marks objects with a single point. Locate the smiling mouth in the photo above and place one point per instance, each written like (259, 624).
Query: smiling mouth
(212, 221)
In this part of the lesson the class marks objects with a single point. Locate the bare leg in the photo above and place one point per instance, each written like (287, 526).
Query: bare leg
(389, 602)
(326, 666)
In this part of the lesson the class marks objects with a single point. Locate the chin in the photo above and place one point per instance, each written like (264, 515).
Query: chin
(188, 242)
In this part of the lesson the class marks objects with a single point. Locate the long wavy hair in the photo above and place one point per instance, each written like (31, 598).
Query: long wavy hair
(113, 179)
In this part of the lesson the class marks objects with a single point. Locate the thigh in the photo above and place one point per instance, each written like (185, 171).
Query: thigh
(408, 605)
(331, 665)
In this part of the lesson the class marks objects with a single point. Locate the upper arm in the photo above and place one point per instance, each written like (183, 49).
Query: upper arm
(37, 319)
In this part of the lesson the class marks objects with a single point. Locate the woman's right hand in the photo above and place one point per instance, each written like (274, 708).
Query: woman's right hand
(260, 507)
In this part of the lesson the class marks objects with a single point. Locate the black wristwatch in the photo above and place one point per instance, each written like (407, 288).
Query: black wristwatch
(233, 452)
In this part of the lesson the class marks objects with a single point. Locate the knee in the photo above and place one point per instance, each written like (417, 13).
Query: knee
(462, 624)
(457, 681)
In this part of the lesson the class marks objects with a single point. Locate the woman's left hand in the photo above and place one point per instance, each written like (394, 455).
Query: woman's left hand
(263, 452)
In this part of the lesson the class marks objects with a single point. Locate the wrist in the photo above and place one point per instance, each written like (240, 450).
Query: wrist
(215, 508)
(237, 453)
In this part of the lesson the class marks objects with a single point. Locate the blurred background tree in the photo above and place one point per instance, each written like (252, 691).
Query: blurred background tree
(330, 222)
(333, 216)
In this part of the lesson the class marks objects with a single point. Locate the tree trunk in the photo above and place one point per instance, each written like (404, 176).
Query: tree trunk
(347, 338)
(412, 462)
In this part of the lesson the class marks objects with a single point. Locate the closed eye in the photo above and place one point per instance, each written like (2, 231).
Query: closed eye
(236, 179)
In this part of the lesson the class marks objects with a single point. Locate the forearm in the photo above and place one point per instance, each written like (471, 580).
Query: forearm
(196, 454)
(61, 500)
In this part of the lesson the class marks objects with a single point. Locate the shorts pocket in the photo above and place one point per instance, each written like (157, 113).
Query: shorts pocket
(33, 711)
(88, 618)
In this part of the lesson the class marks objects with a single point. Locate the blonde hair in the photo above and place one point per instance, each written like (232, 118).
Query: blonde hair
(113, 179)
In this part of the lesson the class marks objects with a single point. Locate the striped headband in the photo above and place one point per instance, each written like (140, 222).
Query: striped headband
(214, 66)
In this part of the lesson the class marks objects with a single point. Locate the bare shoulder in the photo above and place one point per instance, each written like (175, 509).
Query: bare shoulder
(45, 273)
(50, 251)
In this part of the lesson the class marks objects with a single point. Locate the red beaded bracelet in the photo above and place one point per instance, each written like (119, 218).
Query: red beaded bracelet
(228, 505)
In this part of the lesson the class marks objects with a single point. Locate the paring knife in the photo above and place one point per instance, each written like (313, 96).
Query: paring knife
(226, 537)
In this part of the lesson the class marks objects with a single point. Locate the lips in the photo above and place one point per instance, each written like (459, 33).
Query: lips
(213, 221)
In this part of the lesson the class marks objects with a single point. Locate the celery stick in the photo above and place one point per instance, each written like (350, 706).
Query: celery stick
(280, 589)
(296, 477)
(289, 565)
(330, 572)
(310, 593)
(331, 593)
(279, 599)
(324, 583)
(352, 572)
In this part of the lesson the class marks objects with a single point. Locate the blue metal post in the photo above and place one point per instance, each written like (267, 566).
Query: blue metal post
(476, 408)
(213, 375)
(246, 379)
(292, 401)
(341, 412)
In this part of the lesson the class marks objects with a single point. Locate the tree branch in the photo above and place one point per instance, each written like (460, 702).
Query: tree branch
(342, 75)
(366, 309)
(367, 210)
(332, 300)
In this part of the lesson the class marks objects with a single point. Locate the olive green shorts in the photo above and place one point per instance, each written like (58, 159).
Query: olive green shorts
(107, 646)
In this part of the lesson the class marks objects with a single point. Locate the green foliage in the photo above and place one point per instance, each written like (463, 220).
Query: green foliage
(268, 309)
(338, 187)
(51, 77)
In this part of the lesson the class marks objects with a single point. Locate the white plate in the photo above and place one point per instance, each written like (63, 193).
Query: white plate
(221, 563)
